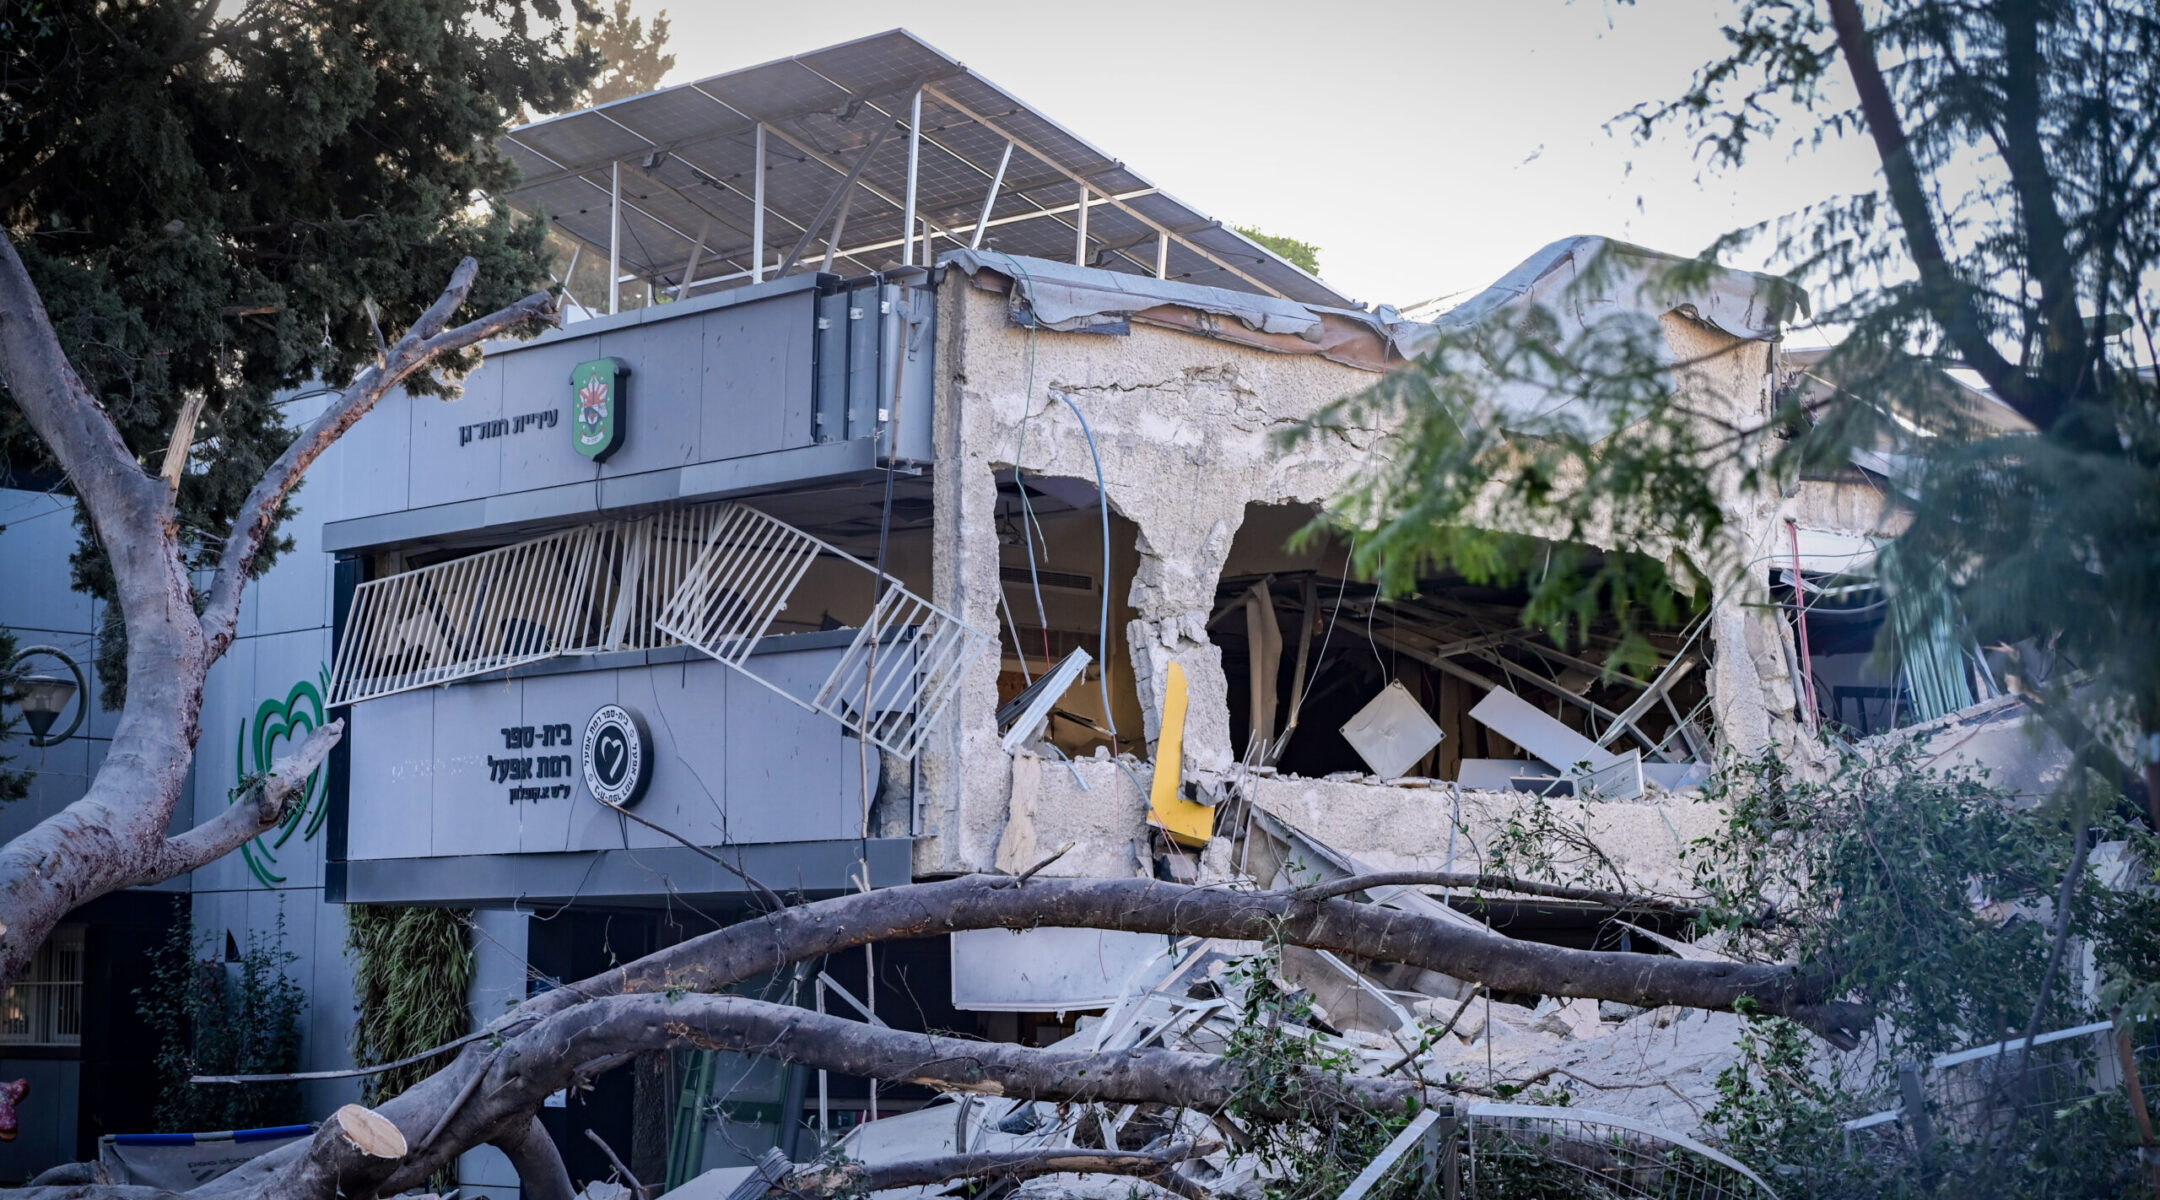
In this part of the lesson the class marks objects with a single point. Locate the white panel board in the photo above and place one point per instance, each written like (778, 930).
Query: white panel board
(1614, 776)
(1048, 969)
(1392, 732)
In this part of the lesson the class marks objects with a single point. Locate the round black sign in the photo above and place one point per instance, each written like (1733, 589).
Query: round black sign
(618, 755)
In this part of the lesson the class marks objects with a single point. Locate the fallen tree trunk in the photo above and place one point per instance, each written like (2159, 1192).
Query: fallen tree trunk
(775, 940)
(499, 1089)
(349, 1157)
(608, 1010)
(854, 1179)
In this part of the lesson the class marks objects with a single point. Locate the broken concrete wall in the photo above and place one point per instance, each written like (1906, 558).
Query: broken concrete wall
(1442, 828)
(1186, 429)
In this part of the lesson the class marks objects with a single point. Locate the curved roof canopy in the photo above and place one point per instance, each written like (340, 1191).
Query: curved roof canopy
(686, 160)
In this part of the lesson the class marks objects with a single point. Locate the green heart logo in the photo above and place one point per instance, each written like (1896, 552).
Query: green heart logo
(290, 721)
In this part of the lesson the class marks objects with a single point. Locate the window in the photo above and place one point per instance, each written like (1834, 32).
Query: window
(44, 1008)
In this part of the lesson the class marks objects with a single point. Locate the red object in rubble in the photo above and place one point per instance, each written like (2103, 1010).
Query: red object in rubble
(11, 1094)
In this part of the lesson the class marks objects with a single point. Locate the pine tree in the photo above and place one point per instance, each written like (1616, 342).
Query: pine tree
(220, 205)
(632, 62)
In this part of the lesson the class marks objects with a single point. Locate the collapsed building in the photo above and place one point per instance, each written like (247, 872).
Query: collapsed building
(915, 501)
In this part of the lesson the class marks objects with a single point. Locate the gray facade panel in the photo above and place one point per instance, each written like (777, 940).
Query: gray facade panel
(757, 377)
(627, 876)
(536, 380)
(748, 376)
(442, 469)
(665, 394)
(703, 481)
(434, 773)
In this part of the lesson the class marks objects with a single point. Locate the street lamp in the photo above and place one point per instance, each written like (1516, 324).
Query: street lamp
(44, 697)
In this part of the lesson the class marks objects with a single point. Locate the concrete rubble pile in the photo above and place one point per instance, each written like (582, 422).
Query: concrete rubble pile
(1653, 1071)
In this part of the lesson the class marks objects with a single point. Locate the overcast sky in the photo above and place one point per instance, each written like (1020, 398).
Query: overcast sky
(1426, 148)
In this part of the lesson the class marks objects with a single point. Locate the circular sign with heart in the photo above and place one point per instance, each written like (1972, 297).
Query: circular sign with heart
(618, 755)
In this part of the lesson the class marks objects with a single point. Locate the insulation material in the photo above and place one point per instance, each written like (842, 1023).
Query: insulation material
(1392, 732)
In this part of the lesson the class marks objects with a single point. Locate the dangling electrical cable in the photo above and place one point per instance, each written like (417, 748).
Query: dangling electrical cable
(1102, 628)
(1029, 527)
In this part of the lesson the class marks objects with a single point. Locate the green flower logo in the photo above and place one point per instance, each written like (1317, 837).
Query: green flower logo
(289, 721)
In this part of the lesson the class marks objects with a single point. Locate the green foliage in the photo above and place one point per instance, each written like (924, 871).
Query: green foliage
(1774, 1112)
(632, 61)
(212, 198)
(1780, 1113)
(1506, 469)
(214, 1017)
(411, 967)
(2015, 234)
(1926, 895)
(1278, 1047)
(1304, 255)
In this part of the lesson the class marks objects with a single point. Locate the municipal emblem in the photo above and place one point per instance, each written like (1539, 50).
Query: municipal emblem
(596, 406)
(618, 755)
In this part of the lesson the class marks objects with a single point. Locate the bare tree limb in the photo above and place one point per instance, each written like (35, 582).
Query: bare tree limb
(349, 1156)
(856, 1178)
(59, 406)
(422, 344)
(1492, 883)
(540, 1170)
(729, 955)
(115, 835)
(254, 814)
(660, 1001)
(1948, 296)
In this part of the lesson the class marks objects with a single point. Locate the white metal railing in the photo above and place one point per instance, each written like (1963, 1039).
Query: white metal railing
(44, 1007)
(895, 679)
(467, 617)
(717, 577)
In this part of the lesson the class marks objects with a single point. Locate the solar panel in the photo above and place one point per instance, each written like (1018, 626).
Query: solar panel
(689, 168)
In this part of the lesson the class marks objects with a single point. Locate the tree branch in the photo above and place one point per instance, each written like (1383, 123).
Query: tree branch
(253, 815)
(1949, 298)
(856, 1178)
(425, 342)
(540, 1170)
(569, 1045)
(727, 956)
(1492, 883)
(2047, 235)
(349, 1156)
(65, 415)
(660, 1001)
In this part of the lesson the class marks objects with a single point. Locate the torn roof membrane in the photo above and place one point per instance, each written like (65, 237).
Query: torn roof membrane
(1583, 281)
(1068, 298)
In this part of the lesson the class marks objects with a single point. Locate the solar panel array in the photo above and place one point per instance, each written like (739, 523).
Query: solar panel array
(687, 162)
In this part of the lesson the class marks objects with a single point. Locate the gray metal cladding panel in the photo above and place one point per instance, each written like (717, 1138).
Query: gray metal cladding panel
(665, 390)
(536, 391)
(732, 762)
(656, 877)
(865, 380)
(758, 382)
(913, 431)
(442, 469)
(829, 423)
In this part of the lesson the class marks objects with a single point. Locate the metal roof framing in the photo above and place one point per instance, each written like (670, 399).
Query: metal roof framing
(762, 158)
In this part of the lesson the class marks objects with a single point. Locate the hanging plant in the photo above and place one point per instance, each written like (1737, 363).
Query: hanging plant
(411, 968)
